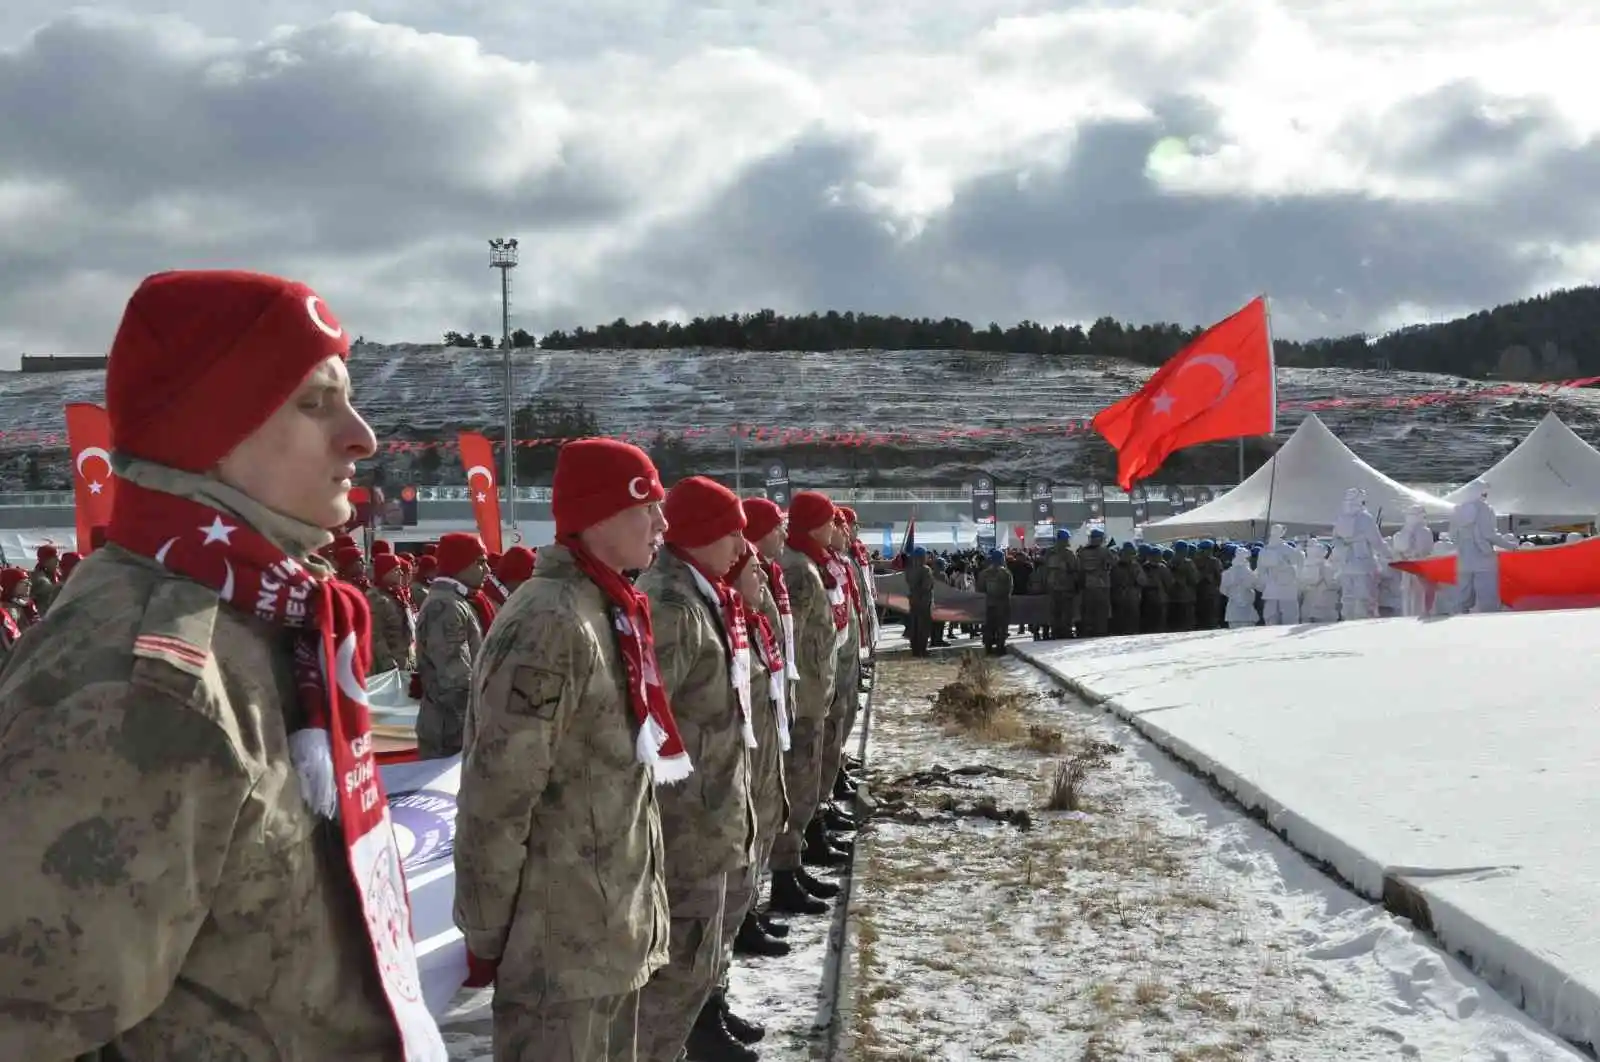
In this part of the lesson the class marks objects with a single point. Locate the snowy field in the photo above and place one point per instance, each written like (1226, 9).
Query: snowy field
(1154, 923)
(1446, 764)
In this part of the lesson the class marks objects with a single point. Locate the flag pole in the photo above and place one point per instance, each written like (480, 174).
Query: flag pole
(1272, 369)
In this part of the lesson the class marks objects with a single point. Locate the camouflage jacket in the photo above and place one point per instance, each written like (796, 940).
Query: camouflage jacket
(1185, 580)
(169, 894)
(768, 789)
(1095, 563)
(995, 583)
(814, 637)
(919, 583)
(392, 646)
(448, 640)
(44, 589)
(1063, 573)
(558, 850)
(709, 819)
(1209, 569)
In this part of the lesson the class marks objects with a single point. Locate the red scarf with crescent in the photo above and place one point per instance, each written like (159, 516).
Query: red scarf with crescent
(780, 597)
(332, 753)
(658, 745)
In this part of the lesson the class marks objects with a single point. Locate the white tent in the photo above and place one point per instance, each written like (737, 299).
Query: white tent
(17, 544)
(1552, 477)
(1300, 487)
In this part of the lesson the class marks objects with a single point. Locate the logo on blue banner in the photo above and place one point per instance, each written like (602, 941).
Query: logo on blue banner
(424, 826)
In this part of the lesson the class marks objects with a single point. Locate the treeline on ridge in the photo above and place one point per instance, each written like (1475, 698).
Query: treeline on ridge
(1546, 337)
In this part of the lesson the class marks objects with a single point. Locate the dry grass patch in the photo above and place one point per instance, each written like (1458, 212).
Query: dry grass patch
(976, 705)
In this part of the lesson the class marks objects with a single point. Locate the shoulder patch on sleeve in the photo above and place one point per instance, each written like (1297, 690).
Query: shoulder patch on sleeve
(177, 626)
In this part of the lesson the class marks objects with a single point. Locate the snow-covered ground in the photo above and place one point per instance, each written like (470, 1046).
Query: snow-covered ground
(1445, 764)
(1156, 923)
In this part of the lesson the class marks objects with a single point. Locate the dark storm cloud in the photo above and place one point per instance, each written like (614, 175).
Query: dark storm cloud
(1099, 235)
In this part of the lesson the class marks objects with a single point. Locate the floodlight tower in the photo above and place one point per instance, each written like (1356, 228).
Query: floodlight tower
(503, 256)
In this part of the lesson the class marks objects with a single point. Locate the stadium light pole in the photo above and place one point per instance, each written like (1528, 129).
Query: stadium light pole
(503, 256)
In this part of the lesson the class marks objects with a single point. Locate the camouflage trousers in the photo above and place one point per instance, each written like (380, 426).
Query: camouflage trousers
(671, 1000)
(740, 897)
(574, 1030)
(841, 720)
(802, 771)
(439, 732)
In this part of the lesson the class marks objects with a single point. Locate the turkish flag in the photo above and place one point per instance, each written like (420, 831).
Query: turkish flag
(1220, 386)
(477, 457)
(1531, 580)
(89, 441)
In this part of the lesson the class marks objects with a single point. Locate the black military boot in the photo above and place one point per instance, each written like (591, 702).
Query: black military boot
(743, 1029)
(710, 1040)
(822, 890)
(818, 852)
(751, 940)
(837, 821)
(844, 787)
(771, 926)
(790, 896)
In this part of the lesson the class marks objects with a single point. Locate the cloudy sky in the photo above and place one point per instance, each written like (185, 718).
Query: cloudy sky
(1367, 162)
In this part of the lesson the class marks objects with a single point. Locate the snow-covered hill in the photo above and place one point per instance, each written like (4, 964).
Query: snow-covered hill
(410, 390)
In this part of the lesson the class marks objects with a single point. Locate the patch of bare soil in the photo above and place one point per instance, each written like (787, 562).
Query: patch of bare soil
(1012, 904)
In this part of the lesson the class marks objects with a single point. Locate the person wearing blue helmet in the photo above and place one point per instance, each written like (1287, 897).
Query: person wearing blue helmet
(1095, 561)
(995, 583)
(1185, 583)
(1127, 590)
(1153, 602)
(1063, 579)
(919, 593)
(1208, 591)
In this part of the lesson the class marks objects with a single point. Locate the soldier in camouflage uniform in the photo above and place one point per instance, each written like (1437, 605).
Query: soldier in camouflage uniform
(46, 577)
(994, 582)
(1128, 581)
(821, 627)
(822, 849)
(394, 634)
(1095, 562)
(450, 629)
(1153, 602)
(1208, 588)
(1185, 583)
(176, 885)
(1063, 578)
(709, 822)
(559, 857)
(919, 593)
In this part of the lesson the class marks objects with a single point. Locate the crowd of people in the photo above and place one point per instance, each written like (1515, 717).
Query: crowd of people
(1102, 588)
(651, 714)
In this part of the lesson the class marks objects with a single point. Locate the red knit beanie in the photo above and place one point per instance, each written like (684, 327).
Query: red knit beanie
(11, 578)
(430, 550)
(203, 357)
(457, 551)
(342, 542)
(44, 553)
(384, 563)
(347, 556)
(428, 565)
(761, 518)
(598, 478)
(809, 510)
(699, 511)
(380, 547)
(849, 515)
(516, 565)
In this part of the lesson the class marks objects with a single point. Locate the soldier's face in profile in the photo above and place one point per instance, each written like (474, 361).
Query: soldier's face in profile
(748, 583)
(302, 460)
(721, 555)
(628, 540)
